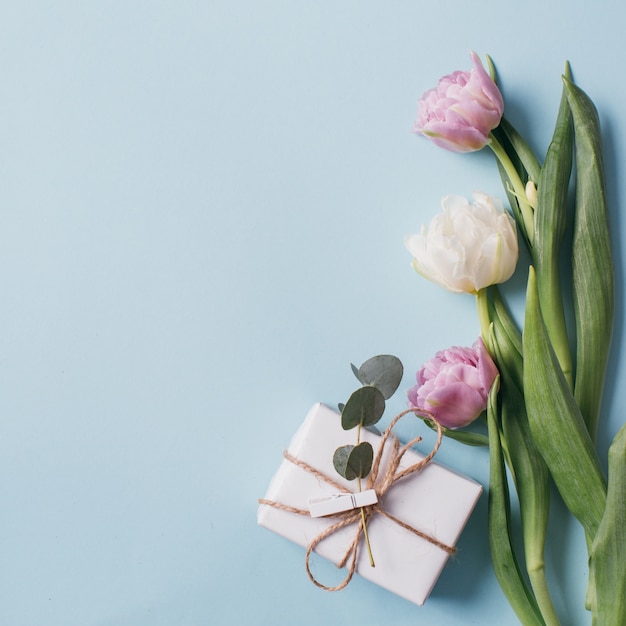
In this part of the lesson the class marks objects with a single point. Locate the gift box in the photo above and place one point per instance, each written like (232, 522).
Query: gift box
(413, 530)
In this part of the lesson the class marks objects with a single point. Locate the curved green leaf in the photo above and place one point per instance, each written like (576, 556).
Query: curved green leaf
(507, 337)
(550, 224)
(532, 482)
(592, 263)
(503, 556)
(556, 424)
(607, 574)
(463, 436)
(528, 164)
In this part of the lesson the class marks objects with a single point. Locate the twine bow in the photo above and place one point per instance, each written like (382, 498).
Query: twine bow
(354, 516)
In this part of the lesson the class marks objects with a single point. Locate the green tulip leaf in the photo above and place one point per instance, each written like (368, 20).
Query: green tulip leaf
(550, 225)
(503, 555)
(592, 264)
(354, 461)
(521, 152)
(556, 423)
(384, 372)
(607, 574)
(528, 470)
(363, 408)
(507, 338)
(524, 167)
(463, 436)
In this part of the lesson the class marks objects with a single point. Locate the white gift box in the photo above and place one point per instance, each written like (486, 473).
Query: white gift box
(434, 501)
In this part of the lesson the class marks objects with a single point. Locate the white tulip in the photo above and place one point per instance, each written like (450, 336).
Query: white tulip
(467, 247)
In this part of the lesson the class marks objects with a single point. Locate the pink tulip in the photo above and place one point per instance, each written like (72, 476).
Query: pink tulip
(461, 111)
(454, 385)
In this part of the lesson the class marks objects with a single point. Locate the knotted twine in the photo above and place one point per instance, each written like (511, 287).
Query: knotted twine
(354, 516)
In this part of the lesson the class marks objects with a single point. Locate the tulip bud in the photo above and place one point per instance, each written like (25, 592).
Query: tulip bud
(461, 111)
(531, 193)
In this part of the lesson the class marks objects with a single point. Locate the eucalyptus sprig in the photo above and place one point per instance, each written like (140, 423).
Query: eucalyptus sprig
(379, 376)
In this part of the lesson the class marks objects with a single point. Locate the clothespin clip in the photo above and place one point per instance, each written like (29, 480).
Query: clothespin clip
(339, 502)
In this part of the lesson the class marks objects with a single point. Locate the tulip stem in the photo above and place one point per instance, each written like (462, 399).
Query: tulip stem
(527, 215)
(482, 303)
(539, 584)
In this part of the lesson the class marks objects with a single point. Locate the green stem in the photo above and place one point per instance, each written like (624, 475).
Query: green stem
(527, 217)
(367, 539)
(538, 582)
(363, 521)
(482, 302)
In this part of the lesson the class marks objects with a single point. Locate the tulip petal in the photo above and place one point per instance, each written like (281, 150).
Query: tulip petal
(456, 406)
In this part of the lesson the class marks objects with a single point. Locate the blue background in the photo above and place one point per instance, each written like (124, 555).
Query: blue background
(202, 213)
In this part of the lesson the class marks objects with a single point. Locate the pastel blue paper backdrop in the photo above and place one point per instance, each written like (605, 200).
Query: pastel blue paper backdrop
(202, 209)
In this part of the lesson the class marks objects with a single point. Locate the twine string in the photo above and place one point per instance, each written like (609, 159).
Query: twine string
(390, 477)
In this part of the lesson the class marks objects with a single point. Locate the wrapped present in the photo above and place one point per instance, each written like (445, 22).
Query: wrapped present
(414, 509)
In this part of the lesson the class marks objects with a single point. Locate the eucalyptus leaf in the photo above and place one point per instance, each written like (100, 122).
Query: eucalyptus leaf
(363, 408)
(340, 462)
(384, 372)
(354, 461)
(361, 458)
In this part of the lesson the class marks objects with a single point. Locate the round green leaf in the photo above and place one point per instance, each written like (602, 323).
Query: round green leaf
(364, 407)
(383, 372)
(354, 461)
(361, 458)
(340, 461)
